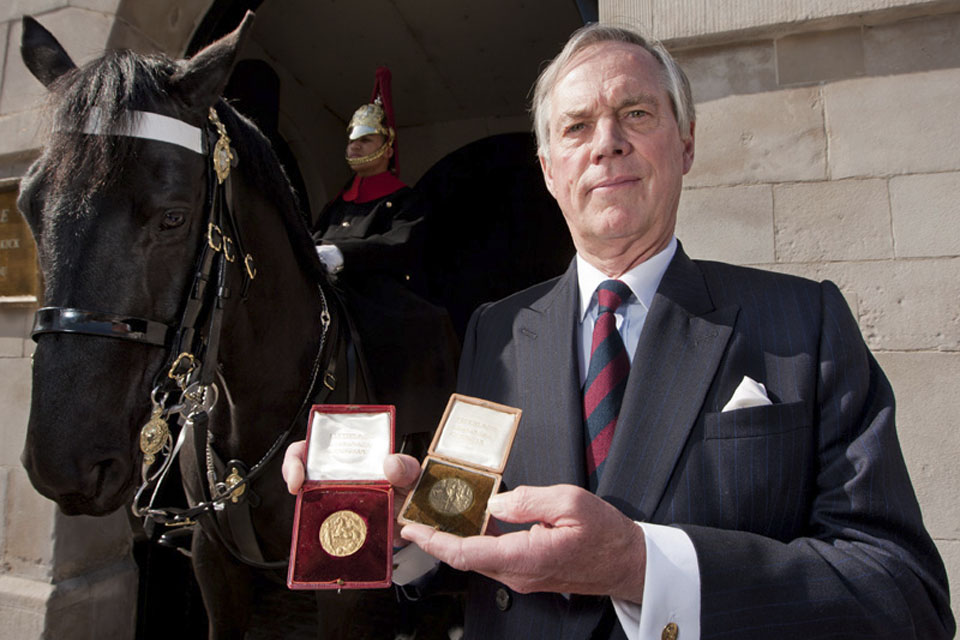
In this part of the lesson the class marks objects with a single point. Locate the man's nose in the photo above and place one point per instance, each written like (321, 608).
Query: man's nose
(610, 139)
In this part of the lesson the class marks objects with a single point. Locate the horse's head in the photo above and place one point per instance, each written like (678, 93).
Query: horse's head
(118, 221)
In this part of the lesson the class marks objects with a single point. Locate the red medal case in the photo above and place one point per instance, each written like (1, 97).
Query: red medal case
(343, 523)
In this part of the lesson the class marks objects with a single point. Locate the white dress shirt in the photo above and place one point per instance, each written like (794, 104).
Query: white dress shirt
(672, 581)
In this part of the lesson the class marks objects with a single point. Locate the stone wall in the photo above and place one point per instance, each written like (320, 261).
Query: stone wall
(834, 153)
(60, 577)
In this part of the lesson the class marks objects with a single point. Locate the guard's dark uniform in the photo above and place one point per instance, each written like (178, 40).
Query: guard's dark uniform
(379, 236)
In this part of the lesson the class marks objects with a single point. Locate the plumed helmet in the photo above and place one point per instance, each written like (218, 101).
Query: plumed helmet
(376, 117)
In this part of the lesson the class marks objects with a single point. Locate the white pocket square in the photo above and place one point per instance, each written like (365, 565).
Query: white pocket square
(749, 393)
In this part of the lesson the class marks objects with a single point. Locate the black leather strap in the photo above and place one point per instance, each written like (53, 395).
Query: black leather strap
(99, 323)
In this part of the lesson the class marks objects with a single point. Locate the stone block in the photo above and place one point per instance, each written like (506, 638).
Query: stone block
(732, 224)
(767, 137)
(20, 132)
(11, 347)
(950, 551)
(82, 33)
(15, 9)
(102, 604)
(16, 322)
(819, 55)
(28, 551)
(103, 6)
(23, 607)
(901, 305)
(4, 484)
(926, 214)
(731, 70)
(927, 407)
(4, 32)
(15, 384)
(822, 221)
(915, 45)
(886, 126)
(168, 25)
(708, 19)
(84, 543)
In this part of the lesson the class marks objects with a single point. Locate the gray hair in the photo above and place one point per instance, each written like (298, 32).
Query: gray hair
(674, 79)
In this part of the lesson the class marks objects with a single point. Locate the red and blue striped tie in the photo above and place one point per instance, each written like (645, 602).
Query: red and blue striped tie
(606, 378)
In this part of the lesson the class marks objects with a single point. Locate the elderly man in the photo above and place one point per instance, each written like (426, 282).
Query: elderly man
(705, 450)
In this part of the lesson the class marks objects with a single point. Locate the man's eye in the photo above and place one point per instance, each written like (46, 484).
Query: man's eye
(636, 113)
(574, 128)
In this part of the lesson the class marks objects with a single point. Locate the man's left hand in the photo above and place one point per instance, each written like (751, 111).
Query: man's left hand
(578, 544)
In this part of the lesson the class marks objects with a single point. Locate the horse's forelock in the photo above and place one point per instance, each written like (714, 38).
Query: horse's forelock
(79, 165)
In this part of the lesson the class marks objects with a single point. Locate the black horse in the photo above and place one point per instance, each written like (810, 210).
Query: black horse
(147, 256)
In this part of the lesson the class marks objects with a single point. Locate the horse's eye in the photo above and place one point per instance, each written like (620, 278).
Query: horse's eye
(172, 219)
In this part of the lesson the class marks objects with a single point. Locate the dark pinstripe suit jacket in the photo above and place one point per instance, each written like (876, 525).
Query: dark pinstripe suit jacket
(801, 513)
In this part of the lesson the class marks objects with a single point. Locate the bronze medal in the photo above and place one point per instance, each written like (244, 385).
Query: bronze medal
(343, 533)
(451, 496)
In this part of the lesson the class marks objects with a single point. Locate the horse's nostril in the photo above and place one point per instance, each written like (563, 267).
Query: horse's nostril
(107, 477)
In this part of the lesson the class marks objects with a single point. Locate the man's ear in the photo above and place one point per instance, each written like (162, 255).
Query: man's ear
(688, 150)
(547, 173)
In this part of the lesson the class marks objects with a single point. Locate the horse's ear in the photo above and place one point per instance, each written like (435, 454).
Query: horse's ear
(42, 54)
(202, 78)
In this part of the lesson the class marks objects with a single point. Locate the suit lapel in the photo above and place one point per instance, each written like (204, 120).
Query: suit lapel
(680, 348)
(550, 438)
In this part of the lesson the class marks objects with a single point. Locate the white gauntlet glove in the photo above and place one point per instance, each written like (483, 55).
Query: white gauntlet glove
(331, 257)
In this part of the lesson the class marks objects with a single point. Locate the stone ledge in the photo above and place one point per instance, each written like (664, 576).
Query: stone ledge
(697, 22)
(23, 607)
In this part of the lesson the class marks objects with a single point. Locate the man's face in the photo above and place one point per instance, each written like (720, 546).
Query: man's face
(364, 146)
(616, 160)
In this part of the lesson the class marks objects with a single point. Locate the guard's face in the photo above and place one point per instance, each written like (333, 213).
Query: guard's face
(616, 160)
(364, 146)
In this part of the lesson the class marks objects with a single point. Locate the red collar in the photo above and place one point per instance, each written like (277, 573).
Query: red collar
(372, 187)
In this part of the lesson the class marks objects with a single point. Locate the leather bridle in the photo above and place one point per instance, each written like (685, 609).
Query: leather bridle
(192, 346)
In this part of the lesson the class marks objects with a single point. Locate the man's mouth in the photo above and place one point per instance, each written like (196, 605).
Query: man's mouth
(615, 182)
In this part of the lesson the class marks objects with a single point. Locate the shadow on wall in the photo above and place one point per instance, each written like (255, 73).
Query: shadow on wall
(493, 228)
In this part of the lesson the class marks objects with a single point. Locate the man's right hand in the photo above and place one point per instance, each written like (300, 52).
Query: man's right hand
(401, 470)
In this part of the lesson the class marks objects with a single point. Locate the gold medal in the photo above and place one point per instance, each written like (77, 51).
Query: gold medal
(153, 435)
(451, 496)
(343, 533)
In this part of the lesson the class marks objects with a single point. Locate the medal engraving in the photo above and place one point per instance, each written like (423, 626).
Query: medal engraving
(342, 533)
(153, 436)
(451, 496)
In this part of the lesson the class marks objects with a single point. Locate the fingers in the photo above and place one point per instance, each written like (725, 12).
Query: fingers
(556, 505)
(292, 468)
(402, 471)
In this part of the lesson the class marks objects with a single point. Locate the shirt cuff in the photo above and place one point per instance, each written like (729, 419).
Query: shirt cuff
(671, 592)
(331, 257)
(412, 564)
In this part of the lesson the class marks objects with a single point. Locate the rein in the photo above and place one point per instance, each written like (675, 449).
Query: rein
(192, 346)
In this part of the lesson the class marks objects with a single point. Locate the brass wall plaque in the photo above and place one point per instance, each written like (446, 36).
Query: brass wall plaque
(19, 275)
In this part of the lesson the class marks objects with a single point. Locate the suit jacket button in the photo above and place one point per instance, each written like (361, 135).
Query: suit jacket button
(503, 599)
(670, 631)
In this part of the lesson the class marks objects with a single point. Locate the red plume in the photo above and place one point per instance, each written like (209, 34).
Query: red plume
(381, 89)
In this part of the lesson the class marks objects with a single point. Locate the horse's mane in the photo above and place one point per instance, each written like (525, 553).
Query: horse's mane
(120, 81)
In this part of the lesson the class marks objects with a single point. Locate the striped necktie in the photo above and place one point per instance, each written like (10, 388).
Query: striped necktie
(606, 378)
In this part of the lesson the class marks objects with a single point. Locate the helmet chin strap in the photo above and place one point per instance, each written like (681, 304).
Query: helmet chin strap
(356, 163)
